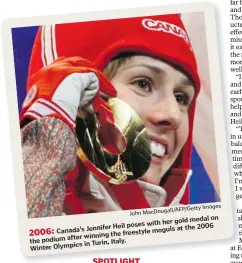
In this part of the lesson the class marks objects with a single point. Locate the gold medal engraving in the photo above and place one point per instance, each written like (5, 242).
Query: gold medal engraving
(120, 171)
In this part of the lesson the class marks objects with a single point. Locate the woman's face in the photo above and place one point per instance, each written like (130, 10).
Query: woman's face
(161, 95)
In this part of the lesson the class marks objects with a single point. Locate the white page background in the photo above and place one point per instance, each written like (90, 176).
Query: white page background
(216, 251)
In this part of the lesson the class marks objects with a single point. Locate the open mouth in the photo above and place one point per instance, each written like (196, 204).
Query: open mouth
(157, 149)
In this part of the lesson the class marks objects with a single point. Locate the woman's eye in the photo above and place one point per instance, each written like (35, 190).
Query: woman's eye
(143, 83)
(182, 98)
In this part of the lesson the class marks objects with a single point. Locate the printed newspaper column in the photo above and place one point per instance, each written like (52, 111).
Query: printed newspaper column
(236, 115)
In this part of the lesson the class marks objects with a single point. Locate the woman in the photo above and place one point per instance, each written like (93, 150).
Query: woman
(150, 62)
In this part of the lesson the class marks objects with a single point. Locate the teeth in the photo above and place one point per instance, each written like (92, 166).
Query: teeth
(157, 149)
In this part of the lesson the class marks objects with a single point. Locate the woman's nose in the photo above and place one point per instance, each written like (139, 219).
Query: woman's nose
(165, 113)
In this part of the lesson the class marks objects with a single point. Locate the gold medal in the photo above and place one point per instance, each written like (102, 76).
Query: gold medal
(116, 150)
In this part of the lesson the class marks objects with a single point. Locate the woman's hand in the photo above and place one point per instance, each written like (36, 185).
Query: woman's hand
(63, 87)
